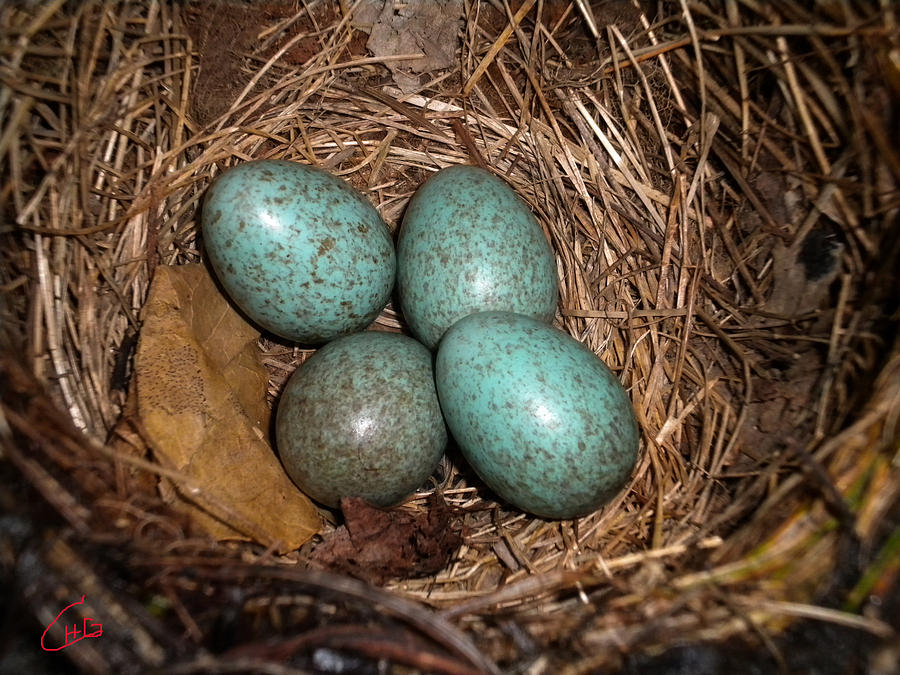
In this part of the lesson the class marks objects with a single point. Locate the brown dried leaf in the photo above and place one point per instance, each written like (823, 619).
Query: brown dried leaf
(377, 544)
(429, 28)
(202, 407)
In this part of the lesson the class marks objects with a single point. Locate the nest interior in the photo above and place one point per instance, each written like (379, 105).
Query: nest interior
(719, 183)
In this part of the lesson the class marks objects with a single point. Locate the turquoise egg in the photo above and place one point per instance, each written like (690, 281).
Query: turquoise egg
(361, 418)
(468, 244)
(539, 417)
(300, 251)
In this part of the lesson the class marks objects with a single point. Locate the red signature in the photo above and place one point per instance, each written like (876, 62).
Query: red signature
(73, 631)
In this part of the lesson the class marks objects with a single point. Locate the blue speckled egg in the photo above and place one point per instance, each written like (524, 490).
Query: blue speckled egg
(540, 418)
(300, 251)
(469, 244)
(361, 418)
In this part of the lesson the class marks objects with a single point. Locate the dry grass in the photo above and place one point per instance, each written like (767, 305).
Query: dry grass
(678, 163)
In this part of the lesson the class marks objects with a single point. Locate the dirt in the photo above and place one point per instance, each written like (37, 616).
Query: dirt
(220, 31)
(226, 33)
(781, 413)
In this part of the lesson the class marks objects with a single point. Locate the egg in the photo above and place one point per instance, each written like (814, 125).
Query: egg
(300, 251)
(541, 418)
(361, 418)
(467, 244)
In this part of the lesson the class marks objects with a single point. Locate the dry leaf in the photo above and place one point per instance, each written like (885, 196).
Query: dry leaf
(377, 544)
(429, 28)
(202, 407)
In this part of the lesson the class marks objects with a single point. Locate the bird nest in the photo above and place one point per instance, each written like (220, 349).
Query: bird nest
(719, 183)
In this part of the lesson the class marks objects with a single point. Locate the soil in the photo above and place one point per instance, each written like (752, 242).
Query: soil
(226, 34)
(230, 40)
(221, 32)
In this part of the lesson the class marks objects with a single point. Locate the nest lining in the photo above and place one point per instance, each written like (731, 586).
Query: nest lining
(718, 188)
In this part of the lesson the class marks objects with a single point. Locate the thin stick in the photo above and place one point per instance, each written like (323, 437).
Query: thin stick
(497, 46)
